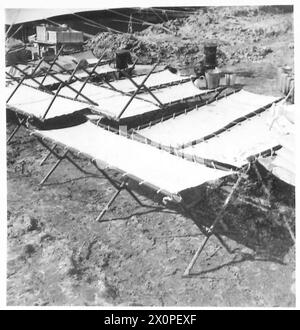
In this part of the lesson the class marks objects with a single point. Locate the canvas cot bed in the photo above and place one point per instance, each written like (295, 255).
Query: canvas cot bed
(116, 105)
(164, 173)
(202, 123)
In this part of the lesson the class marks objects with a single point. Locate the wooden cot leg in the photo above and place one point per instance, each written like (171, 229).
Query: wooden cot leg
(77, 166)
(117, 186)
(211, 229)
(119, 189)
(268, 194)
(60, 159)
(48, 155)
(266, 190)
(224, 244)
(21, 122)
(289, 228)
(133, 195)
(108, 205)
(188, 269)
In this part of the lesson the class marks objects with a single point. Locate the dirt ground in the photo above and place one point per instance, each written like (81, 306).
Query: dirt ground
(58, 255)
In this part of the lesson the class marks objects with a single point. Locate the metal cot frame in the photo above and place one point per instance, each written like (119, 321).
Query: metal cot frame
(122, 184)
(26, 117)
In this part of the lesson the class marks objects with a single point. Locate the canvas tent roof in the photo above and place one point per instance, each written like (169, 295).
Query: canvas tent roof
(24, 15)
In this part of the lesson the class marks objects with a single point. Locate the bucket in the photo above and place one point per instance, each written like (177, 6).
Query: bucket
(210, 52)
(212, 79)
(230, 79)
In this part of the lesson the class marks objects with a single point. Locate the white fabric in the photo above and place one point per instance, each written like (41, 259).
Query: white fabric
(14, 72)
(86, 55)
(22, 15)
(205, 120)
(102, 70)
(156, 78)
(235, 145)
(48, 81)
(112, 102)
(149, 164)
(35, 102)
(283, 124)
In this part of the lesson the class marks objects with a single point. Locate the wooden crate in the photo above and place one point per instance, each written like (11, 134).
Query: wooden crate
(65, 37)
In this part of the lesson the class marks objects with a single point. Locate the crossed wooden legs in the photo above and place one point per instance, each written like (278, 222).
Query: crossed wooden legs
(208, 232)
(119, 186)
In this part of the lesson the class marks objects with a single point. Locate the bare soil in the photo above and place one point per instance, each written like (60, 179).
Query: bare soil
(58, 254)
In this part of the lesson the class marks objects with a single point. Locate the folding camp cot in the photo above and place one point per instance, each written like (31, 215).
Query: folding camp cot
(50, 78)
(116, 105)
(87, 56)
(282, 164)
(166, 174)
(103, 70)
(28, 103)
(156, 80)
(244, 140)
(234, 146)
(21, 97)
(200, 123)
(51, 82)
(32, 102)
(16, 73)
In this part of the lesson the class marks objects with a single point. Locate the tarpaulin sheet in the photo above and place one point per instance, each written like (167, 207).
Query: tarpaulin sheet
(153, 166)
(206, 119)
(33, 102)
(233, 146)
(23, 15)
(112, 102)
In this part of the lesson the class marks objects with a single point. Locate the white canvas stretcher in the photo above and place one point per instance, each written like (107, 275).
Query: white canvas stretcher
(156, 79)
(166, 174)
(283, 163)
(32, 102)
(204, 120)
(111, 102)
(242, 141)
(86, 55)
(150, 165)
(101, 70)
(14, 72)
(48, 81)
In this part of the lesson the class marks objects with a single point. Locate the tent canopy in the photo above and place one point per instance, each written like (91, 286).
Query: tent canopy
(24, 15)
